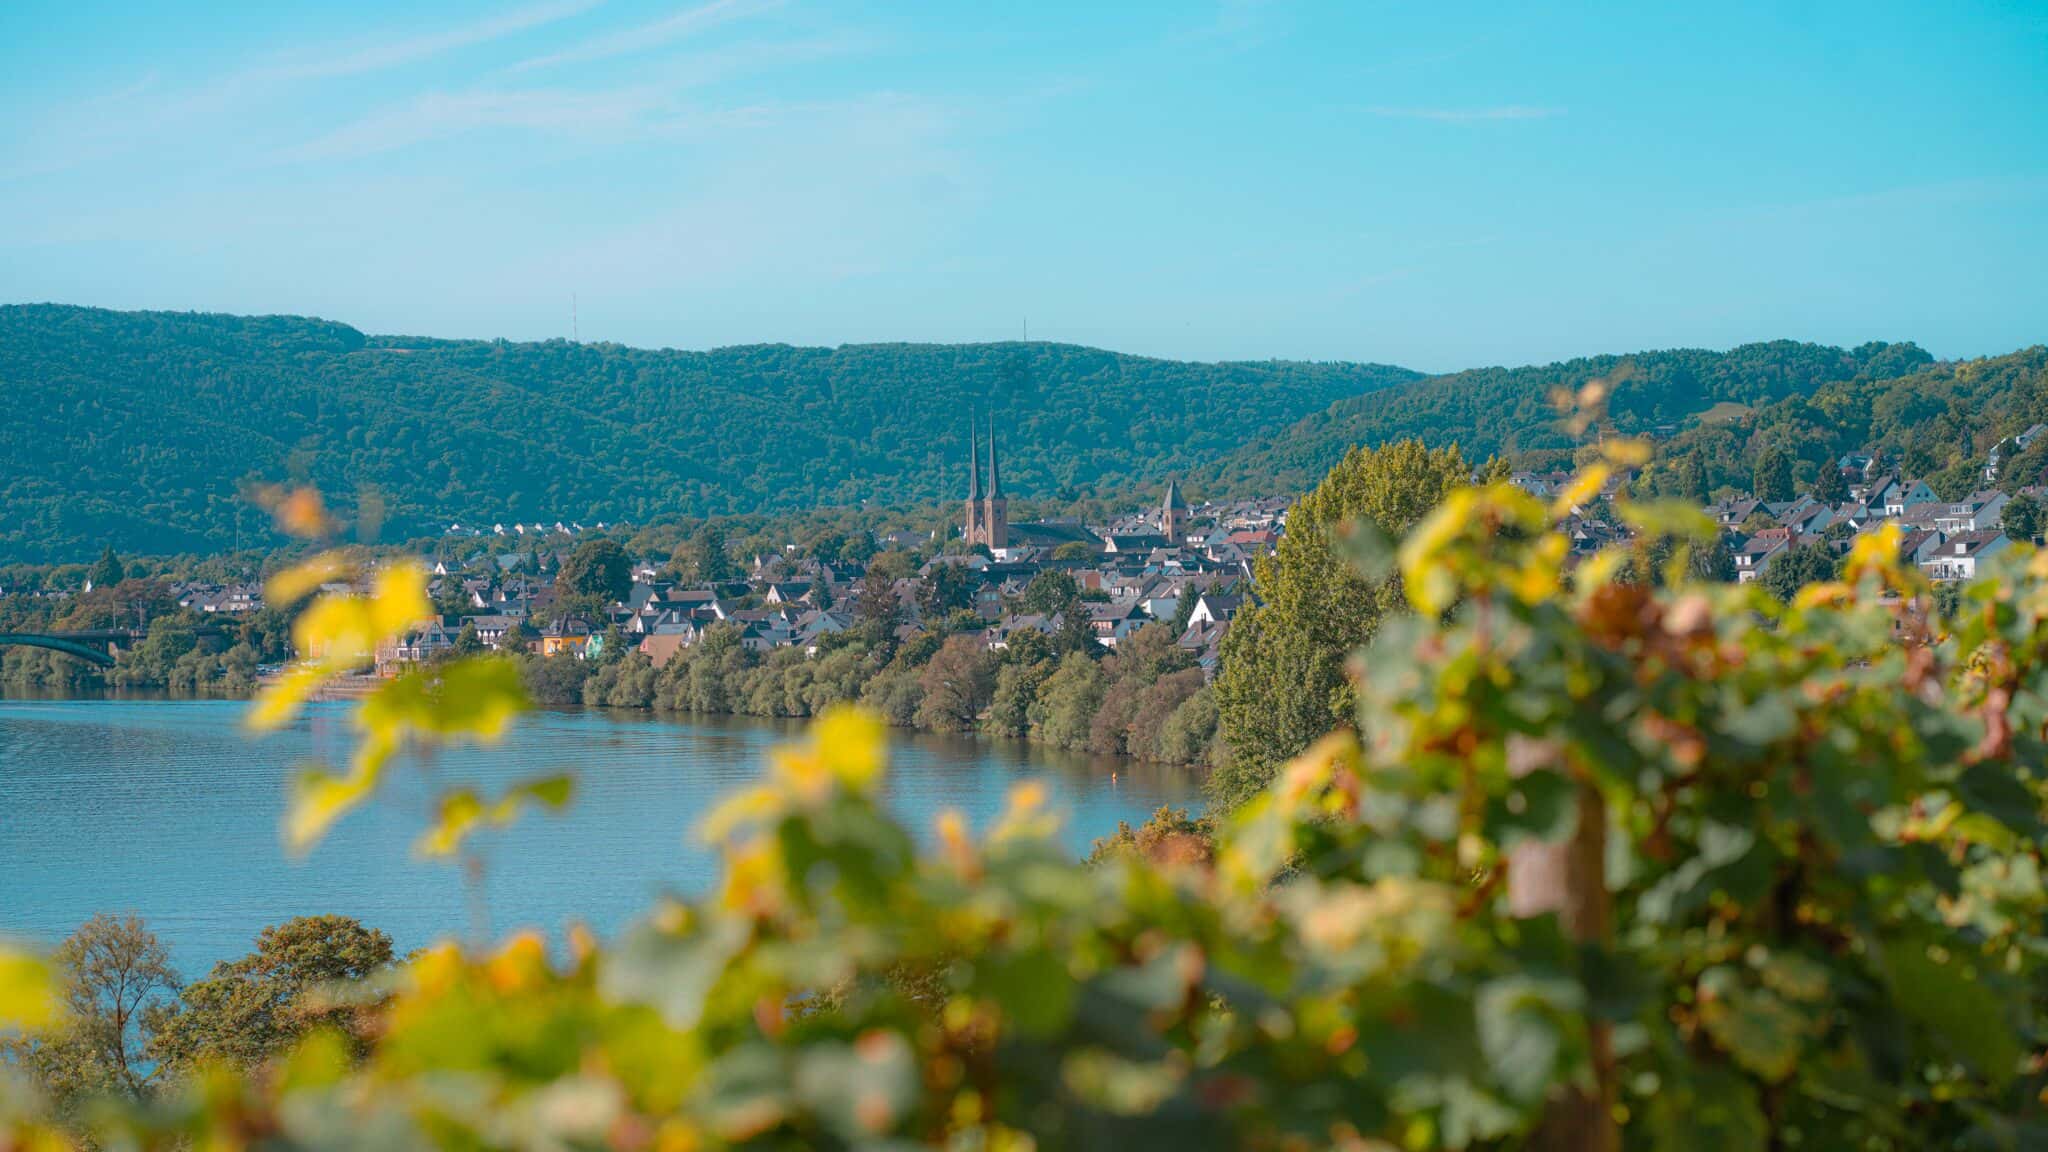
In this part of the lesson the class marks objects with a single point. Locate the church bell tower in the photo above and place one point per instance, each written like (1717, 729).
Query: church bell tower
(972, 530)
(995, 510)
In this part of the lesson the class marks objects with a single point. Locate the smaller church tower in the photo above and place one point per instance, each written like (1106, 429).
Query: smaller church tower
(1173, 514)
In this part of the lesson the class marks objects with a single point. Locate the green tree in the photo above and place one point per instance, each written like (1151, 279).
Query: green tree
(1282, 683)
(108, 570)
(2022, 519)
(249, 1010)
(1189, 735)
(1773, 482)
(598, 569)
(117, 986)
(1050, 591)
(707, 559)
(1065, 708)
(518, 635)
(1691, 476)
(1074, 550)
(957, 683)
(888, 567)
(467, 642)
(1017, 684)
(949, 588)
(1794, 568)
(1830, 486)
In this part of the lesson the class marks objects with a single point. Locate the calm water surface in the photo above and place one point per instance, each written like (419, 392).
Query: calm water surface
(167, 810)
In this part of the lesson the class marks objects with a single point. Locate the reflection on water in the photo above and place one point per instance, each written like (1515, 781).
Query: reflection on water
(166, 809)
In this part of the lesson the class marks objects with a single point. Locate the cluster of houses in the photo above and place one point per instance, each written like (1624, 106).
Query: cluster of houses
(536, 529)
(1187, 565)
(1946, 539)
(1129, 572)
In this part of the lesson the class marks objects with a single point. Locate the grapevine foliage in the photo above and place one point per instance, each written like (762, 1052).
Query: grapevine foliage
(1716, 871)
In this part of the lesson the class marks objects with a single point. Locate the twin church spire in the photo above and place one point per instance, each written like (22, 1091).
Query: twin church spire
(988, 516)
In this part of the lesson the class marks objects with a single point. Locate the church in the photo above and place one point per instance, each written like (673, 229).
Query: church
(987, 519)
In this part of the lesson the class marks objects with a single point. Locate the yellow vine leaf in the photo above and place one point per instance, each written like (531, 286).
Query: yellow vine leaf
(956, 847)
(461, 811)
(742, 809)
(301, 512)
(1626, 453)
(299, 580)
(844, 752)
(279, 702)
(1426, 576)
(1581, 490)
(1827, 592)
(1025, 816)
(457, 813)
(319, 799)
(28, 991)
(850, 741)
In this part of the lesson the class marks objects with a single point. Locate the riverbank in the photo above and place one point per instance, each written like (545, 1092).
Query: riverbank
(1138, 707)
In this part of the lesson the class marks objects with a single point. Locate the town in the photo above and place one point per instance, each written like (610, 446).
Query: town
(1187, 566)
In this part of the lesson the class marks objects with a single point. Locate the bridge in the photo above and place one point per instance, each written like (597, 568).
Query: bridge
(93, 647)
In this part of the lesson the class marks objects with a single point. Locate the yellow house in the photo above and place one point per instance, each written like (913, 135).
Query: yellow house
(554, 645)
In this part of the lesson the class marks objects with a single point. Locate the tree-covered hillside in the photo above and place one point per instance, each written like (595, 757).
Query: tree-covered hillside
(145, 430)
(1937, 423)
(1509, 411)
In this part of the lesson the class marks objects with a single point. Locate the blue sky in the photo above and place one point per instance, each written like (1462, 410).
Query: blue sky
(1433, 184)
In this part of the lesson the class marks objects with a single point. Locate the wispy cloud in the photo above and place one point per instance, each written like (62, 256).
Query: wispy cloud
(1237, 24)
(1466, 115)
(656, 34)
(640, 109)
(111, 123)
(440, 115)
(411, 50)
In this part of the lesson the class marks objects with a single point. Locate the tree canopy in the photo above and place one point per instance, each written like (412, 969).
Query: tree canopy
(147, 429)
(1283, 682)
(1511, 412)
(599, 569)
(248, 1010)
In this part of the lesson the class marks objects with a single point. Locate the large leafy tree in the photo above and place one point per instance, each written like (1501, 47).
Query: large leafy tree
(1283, 682)
(706, 558)
(116, 986)
(251, 1009)
(108, 570)
(598, 569)
(1796, 567)
(1773, 481)
(1829, 485)
(2022, 518)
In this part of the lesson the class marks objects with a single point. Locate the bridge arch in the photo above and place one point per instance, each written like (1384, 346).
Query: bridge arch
(63, 644)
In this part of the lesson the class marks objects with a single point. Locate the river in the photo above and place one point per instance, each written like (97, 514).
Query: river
(166, 809)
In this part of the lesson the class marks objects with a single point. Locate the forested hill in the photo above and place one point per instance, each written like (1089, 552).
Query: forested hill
(143, 430)
(1509, 411)
(1937, 423)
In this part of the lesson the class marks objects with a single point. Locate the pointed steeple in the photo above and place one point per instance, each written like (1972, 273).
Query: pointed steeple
(1173, 514)
(973, 461)
(995, 483)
